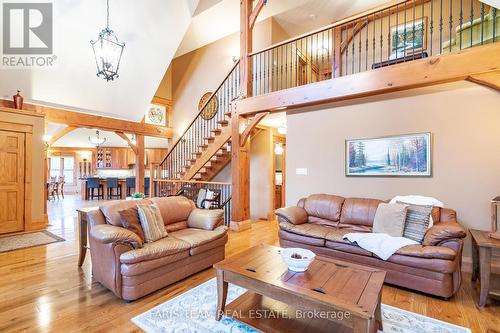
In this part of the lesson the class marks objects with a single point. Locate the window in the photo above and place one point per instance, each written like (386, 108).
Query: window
(63, 166)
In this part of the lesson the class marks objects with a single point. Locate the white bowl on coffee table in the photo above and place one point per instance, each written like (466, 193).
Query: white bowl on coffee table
(297, 259)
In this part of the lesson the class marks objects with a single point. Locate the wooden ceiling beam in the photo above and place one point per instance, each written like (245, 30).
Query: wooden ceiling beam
(445, 68)
(127, 139)
(85, 120)
(59, 135)
(248, 130)
(490, 80)
(255, 13)
(78, 119)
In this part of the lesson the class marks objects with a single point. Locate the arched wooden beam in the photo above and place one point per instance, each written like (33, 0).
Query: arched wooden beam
(255, 13)
(59, 135)
(490, 80)
(255, 121)
(126, 138)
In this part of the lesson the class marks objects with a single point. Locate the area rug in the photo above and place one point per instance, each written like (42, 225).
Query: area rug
(31, 239)
(193, 311)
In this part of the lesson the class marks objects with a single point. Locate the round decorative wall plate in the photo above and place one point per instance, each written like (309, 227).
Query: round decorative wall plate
(156, 114)
(211, 108)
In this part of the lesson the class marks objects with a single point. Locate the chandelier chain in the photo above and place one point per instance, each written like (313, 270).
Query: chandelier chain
(107, 14)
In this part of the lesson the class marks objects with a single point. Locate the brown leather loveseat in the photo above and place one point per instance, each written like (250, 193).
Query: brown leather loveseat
(131, 269)
(319, 222)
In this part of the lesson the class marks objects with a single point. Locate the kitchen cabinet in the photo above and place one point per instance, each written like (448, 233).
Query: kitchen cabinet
(120, 158)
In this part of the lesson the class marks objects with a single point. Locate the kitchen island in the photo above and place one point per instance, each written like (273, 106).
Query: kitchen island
(102, 181)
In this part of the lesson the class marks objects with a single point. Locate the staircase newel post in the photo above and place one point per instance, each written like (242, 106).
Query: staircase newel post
(139, 163)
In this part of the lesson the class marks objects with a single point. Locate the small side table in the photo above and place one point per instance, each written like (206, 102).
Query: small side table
(482, 246)
(83, 233)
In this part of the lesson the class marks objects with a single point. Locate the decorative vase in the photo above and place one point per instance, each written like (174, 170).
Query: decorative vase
(18, 101)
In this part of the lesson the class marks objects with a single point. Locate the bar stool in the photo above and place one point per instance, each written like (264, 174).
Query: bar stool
(112, 183)
(130, 183)
(92, 184)
(146, 186)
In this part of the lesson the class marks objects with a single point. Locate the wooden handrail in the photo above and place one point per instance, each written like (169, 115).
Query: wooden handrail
(392, 4)
(201, 110)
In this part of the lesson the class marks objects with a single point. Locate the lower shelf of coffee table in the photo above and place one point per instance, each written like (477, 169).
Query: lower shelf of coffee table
(270, 316)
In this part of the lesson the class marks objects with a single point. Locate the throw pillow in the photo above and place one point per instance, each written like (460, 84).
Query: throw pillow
(130, 220)
(390, 219)
(417, 222)
(151, 222)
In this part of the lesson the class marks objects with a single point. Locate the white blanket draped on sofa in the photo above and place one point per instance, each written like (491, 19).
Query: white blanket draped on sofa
(380, 244)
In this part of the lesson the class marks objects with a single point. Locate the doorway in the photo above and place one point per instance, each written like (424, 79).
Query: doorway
(12, 155)
(279, 170)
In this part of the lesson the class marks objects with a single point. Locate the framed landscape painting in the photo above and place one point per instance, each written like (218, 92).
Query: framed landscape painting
(409, 38)
(396, 156)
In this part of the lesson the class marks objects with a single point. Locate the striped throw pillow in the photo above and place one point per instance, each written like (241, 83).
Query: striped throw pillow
(417, 222)
(151, 222)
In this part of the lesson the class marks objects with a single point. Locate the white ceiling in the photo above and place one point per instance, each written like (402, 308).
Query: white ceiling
(79, 138)
(216, 19)
(277, 119)
(315, 14)
(152, 31)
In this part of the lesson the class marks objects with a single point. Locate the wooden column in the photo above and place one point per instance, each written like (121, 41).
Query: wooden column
(240, 159)
(240, 168)
(139, 163)
(245, 48)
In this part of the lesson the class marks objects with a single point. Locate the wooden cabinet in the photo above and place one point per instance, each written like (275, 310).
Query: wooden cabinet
(123, 158)
(155, 155)
(120, 158)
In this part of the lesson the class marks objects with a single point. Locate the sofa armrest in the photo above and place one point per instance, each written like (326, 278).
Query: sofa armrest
(294, 215)
(206, 219)
(444, 231)
(106, 234)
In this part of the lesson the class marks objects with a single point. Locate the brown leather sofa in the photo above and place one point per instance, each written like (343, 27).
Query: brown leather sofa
(319, 222)
(131, 269)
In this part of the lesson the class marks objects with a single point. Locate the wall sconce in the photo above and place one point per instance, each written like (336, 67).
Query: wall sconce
(46, 139)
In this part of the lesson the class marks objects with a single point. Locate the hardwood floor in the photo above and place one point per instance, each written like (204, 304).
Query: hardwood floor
(43, 290)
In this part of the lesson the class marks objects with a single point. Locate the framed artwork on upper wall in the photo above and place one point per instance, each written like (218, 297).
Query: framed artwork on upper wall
(409, 38)
(406, 155)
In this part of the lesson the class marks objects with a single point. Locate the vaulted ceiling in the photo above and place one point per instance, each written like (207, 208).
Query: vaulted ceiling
(152, 31)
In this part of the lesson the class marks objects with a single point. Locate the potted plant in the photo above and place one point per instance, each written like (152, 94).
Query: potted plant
(137, 196)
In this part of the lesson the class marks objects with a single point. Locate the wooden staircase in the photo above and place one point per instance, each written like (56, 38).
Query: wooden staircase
(204, 148)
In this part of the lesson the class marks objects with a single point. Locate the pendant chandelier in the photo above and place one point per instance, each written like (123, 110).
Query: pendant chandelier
(97, 140)
(107, 51)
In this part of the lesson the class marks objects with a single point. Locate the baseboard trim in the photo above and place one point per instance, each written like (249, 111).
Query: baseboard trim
(467, 265)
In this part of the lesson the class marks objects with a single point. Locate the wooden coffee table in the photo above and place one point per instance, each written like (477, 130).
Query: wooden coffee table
(331, 295)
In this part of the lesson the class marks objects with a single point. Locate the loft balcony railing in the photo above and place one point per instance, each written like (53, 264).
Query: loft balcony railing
(402, 32)
(215, 110)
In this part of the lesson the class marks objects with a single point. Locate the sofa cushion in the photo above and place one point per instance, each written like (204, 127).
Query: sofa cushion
(197, 237)
(390, 219)
(337, 235)
(429, 252)
(294, 215)
(146, 266)
(358, 211)
(151, 223)
(174, 209)
(417, 222)
(347, 247)
(130, 220)
(206, 219)
(176, 226)
(111, 210)
(443, 231)
(325, 206)
(307, 229)
(306, 240)
(164, 247)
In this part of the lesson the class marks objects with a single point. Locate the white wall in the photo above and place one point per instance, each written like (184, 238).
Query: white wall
(463, 118)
